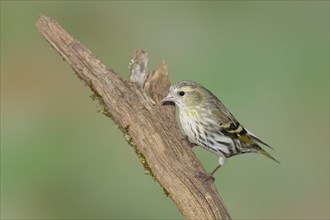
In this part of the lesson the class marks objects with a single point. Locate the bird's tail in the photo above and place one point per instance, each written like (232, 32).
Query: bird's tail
(262, 151)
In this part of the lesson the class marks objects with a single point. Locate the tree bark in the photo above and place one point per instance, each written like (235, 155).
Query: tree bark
(148, 126)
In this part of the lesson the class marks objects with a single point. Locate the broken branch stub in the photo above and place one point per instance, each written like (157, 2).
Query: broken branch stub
(139, 67)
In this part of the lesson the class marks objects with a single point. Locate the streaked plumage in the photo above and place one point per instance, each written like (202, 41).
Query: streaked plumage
(209, 124)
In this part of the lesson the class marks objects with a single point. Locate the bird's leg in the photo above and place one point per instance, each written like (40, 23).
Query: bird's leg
(186, 139)
(210, 175)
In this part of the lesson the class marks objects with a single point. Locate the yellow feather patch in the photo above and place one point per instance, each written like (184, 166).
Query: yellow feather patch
(245, 138)
(237, 131)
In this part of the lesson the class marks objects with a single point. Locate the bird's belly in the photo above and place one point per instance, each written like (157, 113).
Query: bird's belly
(204, 137)
(199, 135)
(189, 127)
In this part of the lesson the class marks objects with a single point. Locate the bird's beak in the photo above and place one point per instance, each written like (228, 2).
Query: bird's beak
(168, 98)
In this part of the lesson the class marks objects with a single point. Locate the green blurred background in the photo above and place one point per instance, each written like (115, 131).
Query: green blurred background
(268, 61)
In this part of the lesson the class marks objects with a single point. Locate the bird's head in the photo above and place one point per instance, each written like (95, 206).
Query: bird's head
(187, 94)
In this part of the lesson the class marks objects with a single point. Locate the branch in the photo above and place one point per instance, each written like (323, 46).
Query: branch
(149, 127)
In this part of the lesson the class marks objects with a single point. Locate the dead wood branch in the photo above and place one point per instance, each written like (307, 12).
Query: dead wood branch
(151, 128)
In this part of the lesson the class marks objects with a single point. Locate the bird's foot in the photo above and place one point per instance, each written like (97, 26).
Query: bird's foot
(206, 177)
(209, 176)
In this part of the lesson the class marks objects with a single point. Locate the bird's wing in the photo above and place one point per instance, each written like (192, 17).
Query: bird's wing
(231, 127)
(256, 139)
(237, 131)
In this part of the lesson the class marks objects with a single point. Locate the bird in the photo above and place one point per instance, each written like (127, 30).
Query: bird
(206, 122)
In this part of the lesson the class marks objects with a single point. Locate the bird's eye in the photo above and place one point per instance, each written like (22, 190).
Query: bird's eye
(181, 93)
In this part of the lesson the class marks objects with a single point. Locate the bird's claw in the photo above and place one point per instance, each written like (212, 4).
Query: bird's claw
(206, 177)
